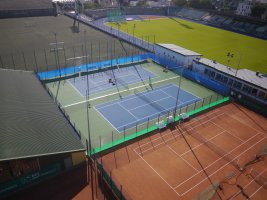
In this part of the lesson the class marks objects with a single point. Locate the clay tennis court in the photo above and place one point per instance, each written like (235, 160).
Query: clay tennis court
(163, 166)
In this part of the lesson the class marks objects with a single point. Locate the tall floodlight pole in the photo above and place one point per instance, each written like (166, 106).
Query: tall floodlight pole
(133, 31)
(88, 117)
(57, 64)
(178, 92)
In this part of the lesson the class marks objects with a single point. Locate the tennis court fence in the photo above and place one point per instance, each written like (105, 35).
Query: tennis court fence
(113, 139)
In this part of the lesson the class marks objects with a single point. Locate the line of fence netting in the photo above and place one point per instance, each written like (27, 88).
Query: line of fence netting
(64, 56)
(113, 138)
(106, 178)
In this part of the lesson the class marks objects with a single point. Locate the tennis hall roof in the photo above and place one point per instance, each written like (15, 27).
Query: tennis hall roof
(31, 124)
(242, 74)
(178, 49)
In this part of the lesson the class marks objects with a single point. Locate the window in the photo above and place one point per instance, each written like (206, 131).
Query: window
(262, 95)
(230, 82)
(247, 89)
(224, 79)
(218, 77)
(212, 74)
(254, 91)
(237, 85)
(207, 72)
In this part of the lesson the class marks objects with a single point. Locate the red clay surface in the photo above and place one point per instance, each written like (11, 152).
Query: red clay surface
(163, 166)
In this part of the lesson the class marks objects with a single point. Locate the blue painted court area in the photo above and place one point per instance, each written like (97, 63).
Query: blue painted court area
(136, 109)
(99, 82)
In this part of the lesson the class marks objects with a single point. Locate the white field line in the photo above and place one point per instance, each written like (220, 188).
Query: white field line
(141, 86)
(221, 167)
(182, 158)
(158, 174)
(217, 161)
(178, 134)
(247, 186)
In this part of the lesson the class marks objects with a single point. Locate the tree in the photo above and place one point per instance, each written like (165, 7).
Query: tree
(257, 10)
(142, 3)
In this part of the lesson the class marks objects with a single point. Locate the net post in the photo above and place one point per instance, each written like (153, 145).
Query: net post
(195, 105)
(24, 61)
(203, 100)
(210, 99)
(217, 97)
(136, 129)
(186, 108)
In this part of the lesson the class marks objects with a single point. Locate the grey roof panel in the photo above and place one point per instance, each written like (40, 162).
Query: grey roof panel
(30, 122)
(178, 49)
(243, 74)
(25, 4)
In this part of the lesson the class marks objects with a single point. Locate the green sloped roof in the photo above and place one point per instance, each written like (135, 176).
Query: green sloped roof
(30, 122)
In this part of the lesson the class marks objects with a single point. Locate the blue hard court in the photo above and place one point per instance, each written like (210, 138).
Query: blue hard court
(137, 109)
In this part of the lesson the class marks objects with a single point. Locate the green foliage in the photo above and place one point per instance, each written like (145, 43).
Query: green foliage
(90, 5)
(258, 9)
(179, 2)
(213, 43)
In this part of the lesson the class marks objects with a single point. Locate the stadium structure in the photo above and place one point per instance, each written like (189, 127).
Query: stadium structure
(149, 120)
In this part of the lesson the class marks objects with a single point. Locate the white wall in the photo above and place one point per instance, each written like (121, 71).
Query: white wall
(173, 56)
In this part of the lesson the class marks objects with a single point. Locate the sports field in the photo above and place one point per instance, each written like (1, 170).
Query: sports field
(182, 161)
(127, 99)
(213, 43)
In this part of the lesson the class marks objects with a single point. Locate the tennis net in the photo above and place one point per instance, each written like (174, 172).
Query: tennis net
(218, 150)
(117, 79)
(259, 178)
(145, 98)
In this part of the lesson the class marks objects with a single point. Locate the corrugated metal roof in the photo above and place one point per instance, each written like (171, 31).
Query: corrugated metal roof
(242, 74)
(25, 4)
(30, 122)
(179, 49)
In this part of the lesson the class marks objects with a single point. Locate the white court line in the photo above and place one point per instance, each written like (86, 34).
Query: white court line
(106, 120)
(141, 86)
(179, 133)
(149, 117)
(227, 131)
(75, 90)
(151, 104)
(158, 174)
(182, 158)
(248, 185)
(128, 111)
(221, 158)
(247, 124)
(220, 167)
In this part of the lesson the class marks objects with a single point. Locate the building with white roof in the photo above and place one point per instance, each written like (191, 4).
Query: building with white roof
(176, 54)
(243, 82)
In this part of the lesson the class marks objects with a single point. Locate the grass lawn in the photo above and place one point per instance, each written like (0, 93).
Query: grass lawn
(212, 42)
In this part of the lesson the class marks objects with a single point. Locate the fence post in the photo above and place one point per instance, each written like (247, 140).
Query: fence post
(12, 57)
(1, 61)
(35, 60)
(24, 60)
